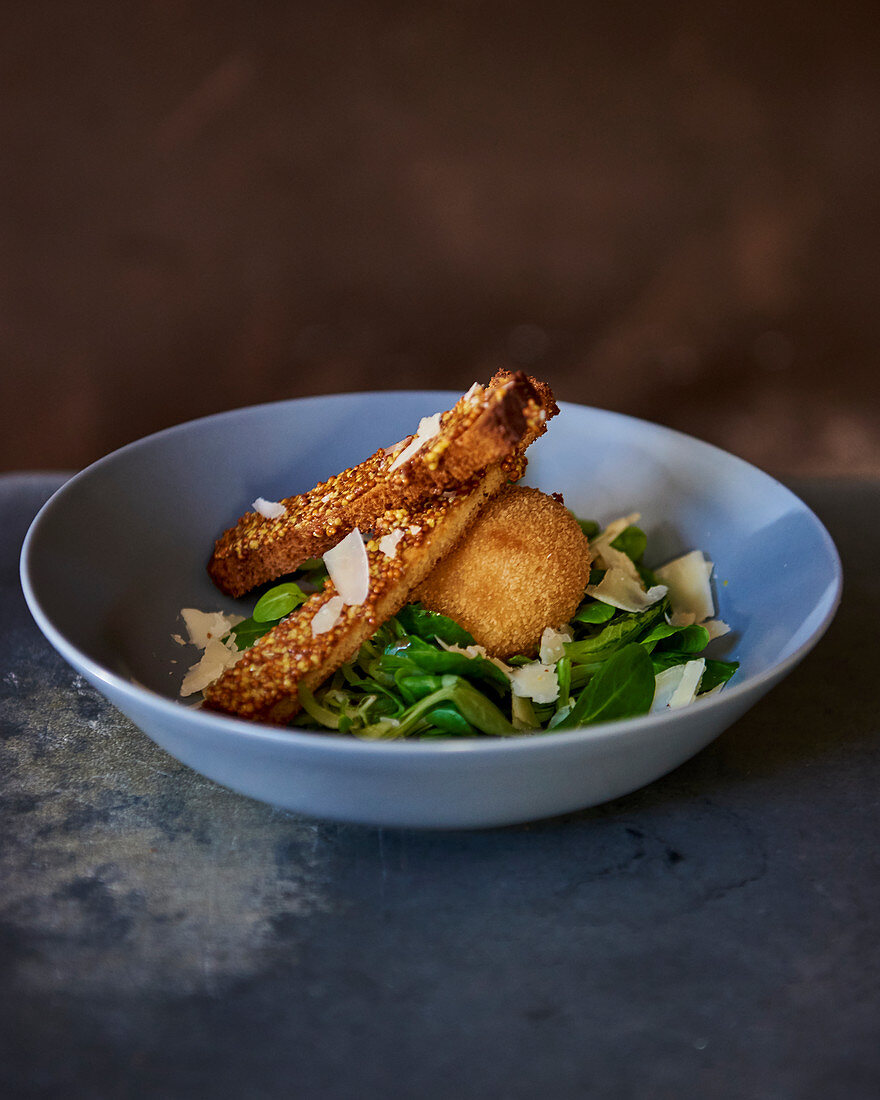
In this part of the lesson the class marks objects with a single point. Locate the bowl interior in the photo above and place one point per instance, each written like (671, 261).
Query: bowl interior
(121, 548)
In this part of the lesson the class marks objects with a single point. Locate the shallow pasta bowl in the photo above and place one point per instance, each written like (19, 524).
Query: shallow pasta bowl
(117, 552)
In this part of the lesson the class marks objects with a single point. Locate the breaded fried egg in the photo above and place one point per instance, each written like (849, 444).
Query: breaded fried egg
(522, 565)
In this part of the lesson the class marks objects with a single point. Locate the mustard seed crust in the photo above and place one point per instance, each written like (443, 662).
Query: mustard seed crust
(263, 685)
(486, 425)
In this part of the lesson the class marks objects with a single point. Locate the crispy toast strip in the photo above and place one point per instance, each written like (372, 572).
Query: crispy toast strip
(264, 684)
(484, 427)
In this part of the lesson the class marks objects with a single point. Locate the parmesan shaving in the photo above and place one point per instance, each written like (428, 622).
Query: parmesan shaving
(621, 590)
(607, 557)
(473, 651)
(429, 426)
(327, 616)
(682, 618)
(610, 533)
(206, 630)
(388, 543)
(677, 686)
(685, 691)
(349, 568)
(202, 626)
(690, 590)
(269, 509)
(717, 628)
(535, 681)
(621, 586)
(552, 647)
(216, 658)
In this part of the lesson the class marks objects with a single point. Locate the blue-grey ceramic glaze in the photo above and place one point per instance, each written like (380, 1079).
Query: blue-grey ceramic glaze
(122, 547)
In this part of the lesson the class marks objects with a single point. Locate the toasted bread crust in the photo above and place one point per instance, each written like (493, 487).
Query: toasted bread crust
(484, 427)
(264, 684)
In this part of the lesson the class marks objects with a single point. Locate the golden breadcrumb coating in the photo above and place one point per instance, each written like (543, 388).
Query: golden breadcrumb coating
(264, 684)
(522, 566)
(486, 426)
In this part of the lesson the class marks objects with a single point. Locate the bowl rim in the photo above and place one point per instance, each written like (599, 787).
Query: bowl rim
(330, 741)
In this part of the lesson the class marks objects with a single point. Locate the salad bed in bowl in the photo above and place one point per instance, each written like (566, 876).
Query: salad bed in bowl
(423, 675)
(120, 549)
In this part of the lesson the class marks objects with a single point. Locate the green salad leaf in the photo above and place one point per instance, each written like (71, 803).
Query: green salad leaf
(247, 632)
(421, 656)
(278, 602)
(270, 609)
(592, 611)
(417, 620)
(624, 627)
(716, 673)
(622, 688)
(632, 541)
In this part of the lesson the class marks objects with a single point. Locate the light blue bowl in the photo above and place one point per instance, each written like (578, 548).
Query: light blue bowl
(122, 547)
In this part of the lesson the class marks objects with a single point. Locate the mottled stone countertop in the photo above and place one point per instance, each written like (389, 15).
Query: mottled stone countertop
(716, 934)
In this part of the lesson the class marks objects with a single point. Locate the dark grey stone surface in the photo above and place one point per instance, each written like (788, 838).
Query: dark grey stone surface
(715, 934)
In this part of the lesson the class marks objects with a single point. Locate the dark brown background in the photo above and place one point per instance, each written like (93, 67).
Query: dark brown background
(669, 210)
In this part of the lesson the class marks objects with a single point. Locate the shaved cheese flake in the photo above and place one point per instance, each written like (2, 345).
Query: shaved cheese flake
(606, 556)
(202, 626)
(609, 558)
(665, 684)
(682, 618)
(388, 543)
(349, 568)
(467, 650)
(622, 586)
(535, 681)
(206, 630)
(429, 426)
(615, 528)
(687, 689)
(269, 509)
(717, 628)
(552, 647)
(216, 658)
(415, 530)
(472, 651)
(677, 686)
(690, 590)
(619, 589)
(327, 616)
